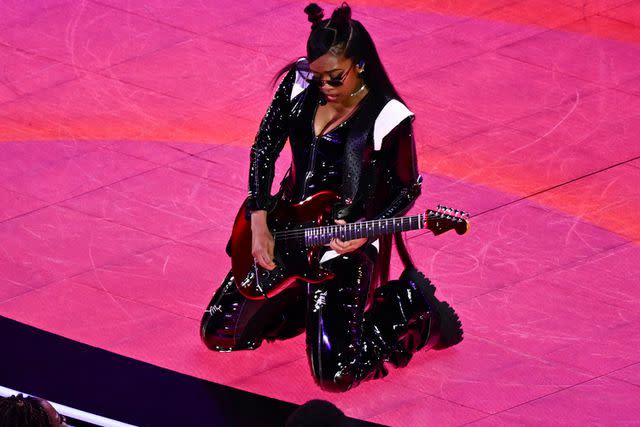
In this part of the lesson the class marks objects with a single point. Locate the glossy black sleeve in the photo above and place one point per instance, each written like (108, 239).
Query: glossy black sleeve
(402, 178)
(271, 137)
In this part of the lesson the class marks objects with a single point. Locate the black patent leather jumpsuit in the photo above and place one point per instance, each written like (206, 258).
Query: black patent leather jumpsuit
(345, 344)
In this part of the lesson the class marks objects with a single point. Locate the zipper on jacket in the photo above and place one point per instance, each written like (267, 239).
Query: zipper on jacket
(312, 166)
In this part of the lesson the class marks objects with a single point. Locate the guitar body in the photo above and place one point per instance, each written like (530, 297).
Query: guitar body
(293, 259)
(300, 230)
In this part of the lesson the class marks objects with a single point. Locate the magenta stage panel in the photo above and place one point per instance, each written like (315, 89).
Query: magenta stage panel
(125, 131)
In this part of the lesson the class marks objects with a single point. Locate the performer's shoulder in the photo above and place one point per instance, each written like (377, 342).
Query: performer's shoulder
(299, 82)
(393, 112)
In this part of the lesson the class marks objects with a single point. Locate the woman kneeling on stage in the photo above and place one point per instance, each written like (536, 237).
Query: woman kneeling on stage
(350, 134)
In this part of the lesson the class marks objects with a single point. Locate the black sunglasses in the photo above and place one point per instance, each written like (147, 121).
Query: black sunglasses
(333, 82)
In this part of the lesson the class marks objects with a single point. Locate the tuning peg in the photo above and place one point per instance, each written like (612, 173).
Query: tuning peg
(443, 211)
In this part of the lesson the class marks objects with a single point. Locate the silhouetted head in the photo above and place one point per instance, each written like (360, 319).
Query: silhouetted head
(317, 413)
(20, 411)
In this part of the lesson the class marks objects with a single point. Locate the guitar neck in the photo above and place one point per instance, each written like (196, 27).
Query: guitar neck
(317, 236)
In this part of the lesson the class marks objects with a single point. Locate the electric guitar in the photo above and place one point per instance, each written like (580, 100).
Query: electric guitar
(301, 230)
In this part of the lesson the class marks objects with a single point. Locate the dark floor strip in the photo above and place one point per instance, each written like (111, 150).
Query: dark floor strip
(117, 387)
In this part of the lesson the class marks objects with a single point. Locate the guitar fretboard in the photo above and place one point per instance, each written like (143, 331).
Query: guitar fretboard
(317, 236)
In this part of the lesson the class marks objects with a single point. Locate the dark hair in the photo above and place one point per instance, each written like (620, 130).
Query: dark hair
(20, 411)
(342, 35)
(317, 413)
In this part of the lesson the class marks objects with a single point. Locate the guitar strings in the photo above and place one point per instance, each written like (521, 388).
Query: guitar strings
(292, 234)
(314, 232)
(354, 224)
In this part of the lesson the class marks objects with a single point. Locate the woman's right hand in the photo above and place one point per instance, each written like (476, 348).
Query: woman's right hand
(262, 243)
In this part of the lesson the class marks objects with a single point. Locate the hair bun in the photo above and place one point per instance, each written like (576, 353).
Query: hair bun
(341, 15)
(314, 14)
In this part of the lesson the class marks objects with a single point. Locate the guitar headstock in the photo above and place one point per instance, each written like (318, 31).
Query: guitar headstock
(444, 219)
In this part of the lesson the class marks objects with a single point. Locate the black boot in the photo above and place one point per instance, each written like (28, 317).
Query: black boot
(222, 328)
(407, 317)
(232, 322)
(450, 328)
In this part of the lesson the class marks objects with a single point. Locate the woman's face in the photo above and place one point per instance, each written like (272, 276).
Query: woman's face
(330, 66)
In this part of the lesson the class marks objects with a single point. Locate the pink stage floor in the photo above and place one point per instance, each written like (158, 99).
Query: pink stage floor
(125, 130)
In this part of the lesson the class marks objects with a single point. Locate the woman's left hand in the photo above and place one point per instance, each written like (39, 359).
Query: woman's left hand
(343, 247)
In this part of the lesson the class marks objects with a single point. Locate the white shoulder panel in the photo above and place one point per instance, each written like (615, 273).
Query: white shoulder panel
(391, 116)
(299, 85)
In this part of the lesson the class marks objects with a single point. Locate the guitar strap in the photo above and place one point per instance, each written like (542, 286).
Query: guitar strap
(403, 252)
(382, 268)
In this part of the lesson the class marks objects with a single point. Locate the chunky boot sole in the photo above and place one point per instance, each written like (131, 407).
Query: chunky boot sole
(450, 327)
